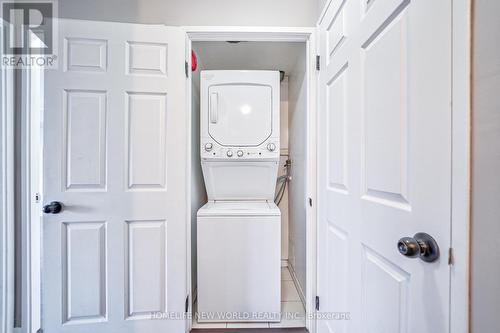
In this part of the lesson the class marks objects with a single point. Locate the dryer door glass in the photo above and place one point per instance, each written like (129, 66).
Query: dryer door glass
(240, 115)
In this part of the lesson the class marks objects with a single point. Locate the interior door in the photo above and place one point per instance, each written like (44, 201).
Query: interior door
(114, 258)
(385, 164)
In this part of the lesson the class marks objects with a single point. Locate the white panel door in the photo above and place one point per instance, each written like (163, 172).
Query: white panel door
(385, 164)
(114, 259)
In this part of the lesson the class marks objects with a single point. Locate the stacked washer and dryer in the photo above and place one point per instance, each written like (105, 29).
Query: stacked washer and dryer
(239, 229)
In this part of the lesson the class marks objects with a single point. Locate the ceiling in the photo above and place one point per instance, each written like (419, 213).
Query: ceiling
(248, 55)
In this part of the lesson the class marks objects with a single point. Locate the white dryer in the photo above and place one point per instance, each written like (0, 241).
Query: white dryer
(239, 229)
(240, 123)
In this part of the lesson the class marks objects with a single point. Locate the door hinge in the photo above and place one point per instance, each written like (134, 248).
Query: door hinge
(451, 259)
(37, 197)
(186, 305)
(317, 303)
(186, 68)
(310, 202)
(318, 63)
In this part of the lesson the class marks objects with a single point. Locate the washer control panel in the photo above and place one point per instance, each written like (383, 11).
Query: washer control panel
(266, 150)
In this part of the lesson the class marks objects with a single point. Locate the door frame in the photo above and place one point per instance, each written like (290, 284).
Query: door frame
(269, 34)
(6, 199)
(22, 98)
(16, 97)
(461, 165)
(459, 249)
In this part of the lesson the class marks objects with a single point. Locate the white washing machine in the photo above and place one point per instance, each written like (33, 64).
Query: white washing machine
(239, 229)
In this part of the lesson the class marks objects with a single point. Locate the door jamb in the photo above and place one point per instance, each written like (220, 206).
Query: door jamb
(19, 99)
(6, 200)
(268, 34)
(461, 165)
(32, 106)
(29, 103)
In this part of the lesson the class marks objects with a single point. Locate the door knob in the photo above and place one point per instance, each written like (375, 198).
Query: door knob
(55, 207)
(421, 245)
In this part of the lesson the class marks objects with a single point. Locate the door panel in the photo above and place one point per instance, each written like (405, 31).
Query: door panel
(84, 267)
(145, 290)
(146, 127)
(385, 163)
(115, 156)
(85, 130)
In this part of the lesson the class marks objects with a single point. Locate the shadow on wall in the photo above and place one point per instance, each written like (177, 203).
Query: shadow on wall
(485, 229)
(297, 124)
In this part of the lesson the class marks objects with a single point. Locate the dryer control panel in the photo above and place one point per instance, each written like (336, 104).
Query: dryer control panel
(212, 150)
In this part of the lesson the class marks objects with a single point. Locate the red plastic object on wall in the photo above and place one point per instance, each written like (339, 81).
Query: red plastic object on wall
(194, 64)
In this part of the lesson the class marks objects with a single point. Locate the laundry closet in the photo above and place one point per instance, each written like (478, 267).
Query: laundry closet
(249, 276)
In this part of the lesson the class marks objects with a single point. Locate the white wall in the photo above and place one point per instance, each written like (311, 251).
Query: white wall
(485, 254)
(320, 5)
(283, 206)
(297, 129)
(195, 12)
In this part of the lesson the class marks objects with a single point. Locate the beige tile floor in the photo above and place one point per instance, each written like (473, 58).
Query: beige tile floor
(291, 308)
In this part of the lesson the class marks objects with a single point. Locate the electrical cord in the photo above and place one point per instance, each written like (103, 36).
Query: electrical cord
(280, 193)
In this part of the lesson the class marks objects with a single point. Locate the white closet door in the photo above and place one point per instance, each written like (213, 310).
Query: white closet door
(385, 163)
(115, 156)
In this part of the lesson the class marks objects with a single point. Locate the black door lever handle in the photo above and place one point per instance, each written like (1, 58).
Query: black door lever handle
(55, 207)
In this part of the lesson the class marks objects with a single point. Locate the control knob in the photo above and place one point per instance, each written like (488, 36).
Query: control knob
(271, 146)
(208, 146)
(239, 153)
(229, 153)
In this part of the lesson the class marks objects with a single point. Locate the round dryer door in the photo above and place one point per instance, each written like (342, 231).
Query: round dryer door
(240, 114)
